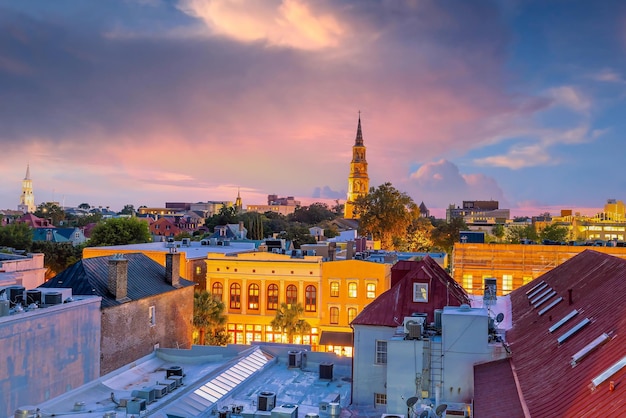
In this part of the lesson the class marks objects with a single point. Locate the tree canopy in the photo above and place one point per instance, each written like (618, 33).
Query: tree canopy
(209, 319)
(52, 211)
(16, 235)
(120, 231)
(385, 213)
(288, 321)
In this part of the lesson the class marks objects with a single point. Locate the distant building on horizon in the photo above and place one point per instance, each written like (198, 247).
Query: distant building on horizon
(282, 205)
(27, 198)
(358, 181)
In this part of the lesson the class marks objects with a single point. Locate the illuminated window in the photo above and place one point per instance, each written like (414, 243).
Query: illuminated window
(292, 295)
(334, 289)
(334, 315)
(253, 297)
(352, 290)
(351, 314)
(152, 315)
(273, 336)
(468, 282)
(310, 299)
(272, 297)
(507, 282)
(253, 333)
(198, 269)
(217, 290)
(380, 399)
(236, 333)
(235, 296)
(371, 290)
(381, 352)
(420, 292)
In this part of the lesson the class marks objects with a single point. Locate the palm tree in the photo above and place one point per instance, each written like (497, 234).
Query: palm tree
(288, 321)
(209, 318)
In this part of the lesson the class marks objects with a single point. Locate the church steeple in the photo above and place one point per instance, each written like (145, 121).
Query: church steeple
(238, 203)
(358, 181)
(27, 198)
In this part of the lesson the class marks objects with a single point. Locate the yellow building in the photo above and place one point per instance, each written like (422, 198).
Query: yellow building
(512, 265)
(253, 285)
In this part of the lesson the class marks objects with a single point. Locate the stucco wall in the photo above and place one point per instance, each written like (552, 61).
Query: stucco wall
(127, 334)
(47, 352)
(368, 377)
(28, 272)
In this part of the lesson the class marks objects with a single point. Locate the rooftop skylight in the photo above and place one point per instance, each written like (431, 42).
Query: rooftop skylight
(596, 381)
(536, 289)
(573, 331)
(563, 321)
(541, 295)
(544, 299)
(550, 306)
(577, 358)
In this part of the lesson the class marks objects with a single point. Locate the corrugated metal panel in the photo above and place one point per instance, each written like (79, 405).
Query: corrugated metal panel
(591, 283)
(392, 306)
(89, 276)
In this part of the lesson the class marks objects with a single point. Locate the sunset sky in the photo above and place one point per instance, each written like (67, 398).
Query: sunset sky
(141, 102)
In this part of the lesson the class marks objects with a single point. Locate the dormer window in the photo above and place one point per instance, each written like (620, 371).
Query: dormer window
(420, 292)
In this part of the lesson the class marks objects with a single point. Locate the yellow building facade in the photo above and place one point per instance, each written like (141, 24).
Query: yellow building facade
(512, 265)
(253, 286)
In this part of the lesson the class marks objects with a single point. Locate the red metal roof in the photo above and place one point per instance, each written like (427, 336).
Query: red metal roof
(493, 382)
(390, 308)
(592, 284)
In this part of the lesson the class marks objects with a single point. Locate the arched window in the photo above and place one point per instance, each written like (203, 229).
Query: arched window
(334, 315)
(217, 290)
(334, 289)
(351, 314)
(310, 299)
(235, 296)
(292, 295)
(352, 290)
(371, 290)
(272, 297)
(253, 296)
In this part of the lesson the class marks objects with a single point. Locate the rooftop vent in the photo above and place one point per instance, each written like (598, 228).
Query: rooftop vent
(266, 401)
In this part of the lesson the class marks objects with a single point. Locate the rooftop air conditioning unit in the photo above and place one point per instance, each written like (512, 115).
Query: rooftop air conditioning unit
(170, 384)
(412, 320)
(295, 359)
(146, 394)
(178, 380)
(266, 401)
(285, 411)
(160, 390)
(391, 416)
(415, 330)
(186, 242)
(135, 406)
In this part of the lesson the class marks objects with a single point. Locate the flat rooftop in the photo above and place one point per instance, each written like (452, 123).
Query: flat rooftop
(192, 251)
(216, 379)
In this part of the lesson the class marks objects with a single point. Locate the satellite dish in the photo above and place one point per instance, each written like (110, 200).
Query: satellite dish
(499, 317)
(424, 414)
(440, 409)
(411, 401)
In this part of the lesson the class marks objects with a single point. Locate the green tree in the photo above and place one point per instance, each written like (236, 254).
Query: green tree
(57, 255)
(298, 235)
(419, 237)
(515, 234)
(554, 232)
(209, 319)
(498, 231)
(446, 234)
(226, 215)
(312, 214)
(128, 210)
(120, 231)
(16, 235)
(52, 211)
(385, 213)
(256, 224)
(288, 321)
(276, 222)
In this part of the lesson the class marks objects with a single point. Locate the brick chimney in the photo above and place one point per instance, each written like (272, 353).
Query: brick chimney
(172, 269)
(118, 276)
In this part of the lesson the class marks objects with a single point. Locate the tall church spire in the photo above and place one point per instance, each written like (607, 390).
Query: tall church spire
(358, 181)
(27, 198)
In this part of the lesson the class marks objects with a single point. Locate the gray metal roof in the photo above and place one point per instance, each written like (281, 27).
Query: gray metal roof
(89, 276)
